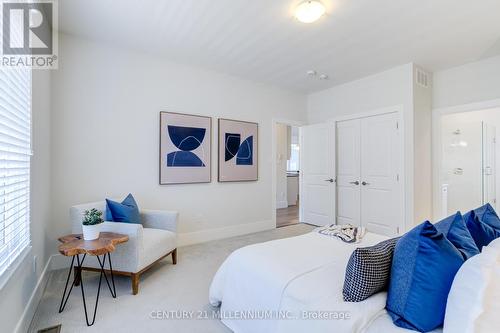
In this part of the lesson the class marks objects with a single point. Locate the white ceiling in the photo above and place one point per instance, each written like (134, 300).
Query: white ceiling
(260, 40)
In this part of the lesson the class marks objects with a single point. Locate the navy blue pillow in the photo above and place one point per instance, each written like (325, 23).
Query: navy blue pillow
(483, 224)
(424, 265)
(454, 228)
(126, 211)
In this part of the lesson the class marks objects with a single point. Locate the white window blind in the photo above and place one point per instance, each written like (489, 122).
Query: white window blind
(15, 154)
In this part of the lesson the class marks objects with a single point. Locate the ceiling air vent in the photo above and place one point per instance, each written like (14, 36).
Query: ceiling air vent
(422, 78)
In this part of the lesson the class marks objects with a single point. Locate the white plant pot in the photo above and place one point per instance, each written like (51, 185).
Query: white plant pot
(91, 232)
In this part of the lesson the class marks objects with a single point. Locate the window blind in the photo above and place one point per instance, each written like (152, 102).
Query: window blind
(15, 155)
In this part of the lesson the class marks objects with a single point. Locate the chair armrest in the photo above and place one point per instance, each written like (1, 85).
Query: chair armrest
(129, 254)
(159, 219)
(132, 230)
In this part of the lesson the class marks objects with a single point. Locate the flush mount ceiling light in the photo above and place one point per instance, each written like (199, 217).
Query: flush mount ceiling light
(309, 11)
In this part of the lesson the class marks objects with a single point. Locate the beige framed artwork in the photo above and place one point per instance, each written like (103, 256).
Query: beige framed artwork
(238, 151)
(185, 148)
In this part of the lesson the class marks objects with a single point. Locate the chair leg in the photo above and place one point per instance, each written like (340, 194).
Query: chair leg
(77, 277)
(135, 283)
(174, 256)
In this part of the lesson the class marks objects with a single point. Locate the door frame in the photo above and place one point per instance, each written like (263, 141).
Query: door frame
(403, 184)
(274, 149)
(437, 113)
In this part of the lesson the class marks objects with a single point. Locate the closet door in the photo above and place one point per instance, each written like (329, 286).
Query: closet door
(381, 194)
(317, 183)
(348, 172)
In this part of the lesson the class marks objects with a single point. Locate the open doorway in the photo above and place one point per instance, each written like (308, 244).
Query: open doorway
(287, 175)
(470, 155)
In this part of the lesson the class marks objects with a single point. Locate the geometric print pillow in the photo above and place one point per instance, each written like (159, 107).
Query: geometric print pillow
(368, 271)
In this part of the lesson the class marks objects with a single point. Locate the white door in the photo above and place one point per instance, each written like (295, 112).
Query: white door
(381, 190)
(489, 164)
(317, 161)
(348, 172)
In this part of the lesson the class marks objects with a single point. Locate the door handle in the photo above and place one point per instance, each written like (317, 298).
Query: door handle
(365, 183)
(354, 183)
(331, 180)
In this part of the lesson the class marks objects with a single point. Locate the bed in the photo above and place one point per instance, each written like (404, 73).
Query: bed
(295, 285)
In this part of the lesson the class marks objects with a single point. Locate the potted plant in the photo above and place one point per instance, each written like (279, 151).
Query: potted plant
(91, 224)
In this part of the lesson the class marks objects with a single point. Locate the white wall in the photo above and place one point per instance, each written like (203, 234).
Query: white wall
(15, 295)
(473, 82)
(106, 104)
(389, 88)
(422, 165)
(281, 159)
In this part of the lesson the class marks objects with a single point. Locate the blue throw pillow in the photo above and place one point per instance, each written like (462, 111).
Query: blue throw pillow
(424, 265)
(455, 229)
(483, 224)
(126, 211)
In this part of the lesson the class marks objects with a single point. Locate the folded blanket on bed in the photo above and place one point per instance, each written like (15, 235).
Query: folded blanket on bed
(346, 233)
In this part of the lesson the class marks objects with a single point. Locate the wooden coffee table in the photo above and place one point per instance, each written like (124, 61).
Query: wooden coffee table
(73, 246)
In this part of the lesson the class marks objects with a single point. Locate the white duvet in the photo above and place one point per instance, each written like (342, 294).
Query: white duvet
(293, 281)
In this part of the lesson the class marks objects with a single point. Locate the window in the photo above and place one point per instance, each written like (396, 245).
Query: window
(15, 154)
(293, 163)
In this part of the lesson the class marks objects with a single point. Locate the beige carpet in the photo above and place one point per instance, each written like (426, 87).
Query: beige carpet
(164, 288)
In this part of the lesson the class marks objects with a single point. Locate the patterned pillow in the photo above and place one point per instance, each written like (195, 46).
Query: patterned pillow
(368, 270)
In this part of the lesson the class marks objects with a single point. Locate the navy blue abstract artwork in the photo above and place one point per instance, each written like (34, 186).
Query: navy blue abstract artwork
(186, 139)
(242, 151)
(238, 151)
(245, 152)
(232, 145)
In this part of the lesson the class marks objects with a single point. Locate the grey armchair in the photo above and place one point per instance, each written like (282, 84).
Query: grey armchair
(148, 243)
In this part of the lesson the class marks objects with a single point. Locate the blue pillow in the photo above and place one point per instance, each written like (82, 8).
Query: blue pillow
(454, 228)
(424, 265)
(488, 215)
(483, 224)
(126, 211)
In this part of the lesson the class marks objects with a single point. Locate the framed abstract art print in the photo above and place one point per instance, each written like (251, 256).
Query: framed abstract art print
(185, 148)
(238, 144)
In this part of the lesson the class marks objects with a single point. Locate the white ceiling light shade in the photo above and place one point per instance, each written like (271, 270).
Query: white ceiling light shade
(309, 11)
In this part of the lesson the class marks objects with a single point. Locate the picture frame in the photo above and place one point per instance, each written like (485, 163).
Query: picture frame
(185, 149)
(237, 150)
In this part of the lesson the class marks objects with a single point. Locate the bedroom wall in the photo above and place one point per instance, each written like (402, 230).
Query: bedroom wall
(16, 308)
(106, 104)
(473, 82)
(422, 166)
(385, 89)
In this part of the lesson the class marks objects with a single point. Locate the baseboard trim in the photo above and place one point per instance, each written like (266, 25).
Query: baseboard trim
(203, 236)
(28, 313)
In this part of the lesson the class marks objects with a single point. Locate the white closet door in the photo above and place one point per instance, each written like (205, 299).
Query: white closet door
(317, 161)
(381, 197)
(348, 172)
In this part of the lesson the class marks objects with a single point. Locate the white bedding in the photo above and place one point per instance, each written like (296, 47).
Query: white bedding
(383, 324)
(303, 273)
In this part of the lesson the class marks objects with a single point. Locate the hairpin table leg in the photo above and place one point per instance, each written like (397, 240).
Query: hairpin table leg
(112, 290)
